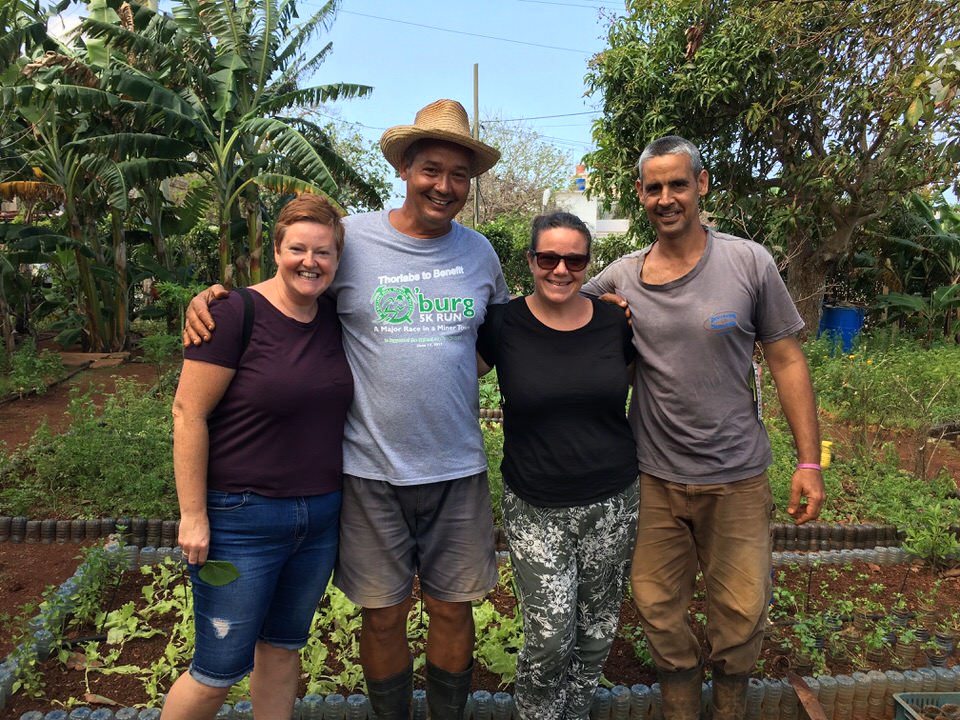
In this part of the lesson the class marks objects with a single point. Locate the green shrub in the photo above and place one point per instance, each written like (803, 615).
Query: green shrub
(510, 237)
(115, 461)
(493, 446)
(900, 384)
(27, 370)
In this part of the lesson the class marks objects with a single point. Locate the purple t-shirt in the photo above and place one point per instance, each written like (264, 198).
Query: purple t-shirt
(278, 430)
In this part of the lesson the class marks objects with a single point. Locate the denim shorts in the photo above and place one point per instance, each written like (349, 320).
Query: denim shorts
(284, 549)
(442, 532)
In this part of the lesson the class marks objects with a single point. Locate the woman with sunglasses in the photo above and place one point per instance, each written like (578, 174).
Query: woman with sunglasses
(569, 468)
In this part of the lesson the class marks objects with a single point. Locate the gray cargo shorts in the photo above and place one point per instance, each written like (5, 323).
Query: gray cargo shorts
(442, 532)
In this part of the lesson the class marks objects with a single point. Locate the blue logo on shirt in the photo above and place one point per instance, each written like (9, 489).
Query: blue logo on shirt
(721, 323)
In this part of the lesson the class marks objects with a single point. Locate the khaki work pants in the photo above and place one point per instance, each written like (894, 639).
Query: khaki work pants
(722, 530)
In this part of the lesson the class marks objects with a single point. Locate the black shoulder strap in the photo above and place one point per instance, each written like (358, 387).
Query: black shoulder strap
(249, 313)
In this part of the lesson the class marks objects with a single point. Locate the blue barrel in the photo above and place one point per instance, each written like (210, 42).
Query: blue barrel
(841, 324)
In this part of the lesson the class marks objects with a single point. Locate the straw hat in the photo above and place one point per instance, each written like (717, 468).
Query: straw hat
(440, 120)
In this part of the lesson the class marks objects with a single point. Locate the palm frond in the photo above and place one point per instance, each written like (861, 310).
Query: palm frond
(189, 16)
(263, 49)
(134, 144)
(108, 176)
(287, 184)
(303, 67)
(133, 43)
(224, 20)
(290, 144)
(315, 96)
(194, 208)
(346, 176)
(137, 172)
(17, 38)
(320, 20)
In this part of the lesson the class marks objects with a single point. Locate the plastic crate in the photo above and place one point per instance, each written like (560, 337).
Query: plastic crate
(907, 702)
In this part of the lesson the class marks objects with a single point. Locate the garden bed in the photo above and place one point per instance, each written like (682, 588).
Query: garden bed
(802, 593)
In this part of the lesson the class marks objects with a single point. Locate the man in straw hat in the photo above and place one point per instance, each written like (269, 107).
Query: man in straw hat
(412, 288)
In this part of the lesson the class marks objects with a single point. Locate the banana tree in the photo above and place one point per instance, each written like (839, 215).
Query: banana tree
(226, 75)
(923, 255)
(930, 313)
(69, 137)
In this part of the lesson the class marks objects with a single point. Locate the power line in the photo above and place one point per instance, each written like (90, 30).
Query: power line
(592, 7)
(539, 117)
(461, 32)
(349, 122)
(566, 141)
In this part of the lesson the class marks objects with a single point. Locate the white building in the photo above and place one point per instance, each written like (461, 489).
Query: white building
(601, 222)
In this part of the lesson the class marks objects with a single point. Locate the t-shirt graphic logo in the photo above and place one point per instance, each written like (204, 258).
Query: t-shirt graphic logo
(394, 305)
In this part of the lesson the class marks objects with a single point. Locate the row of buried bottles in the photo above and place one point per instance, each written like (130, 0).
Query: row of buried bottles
(835, 536)
(135, 556)
(861, 695)
(158, 533)
(137, 531)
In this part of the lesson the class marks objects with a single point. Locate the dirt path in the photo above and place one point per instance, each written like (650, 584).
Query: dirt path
(20, 418)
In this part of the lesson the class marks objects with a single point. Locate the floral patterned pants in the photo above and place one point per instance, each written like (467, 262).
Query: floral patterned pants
(569, 564)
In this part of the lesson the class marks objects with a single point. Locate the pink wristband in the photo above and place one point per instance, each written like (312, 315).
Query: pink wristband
(809, 466)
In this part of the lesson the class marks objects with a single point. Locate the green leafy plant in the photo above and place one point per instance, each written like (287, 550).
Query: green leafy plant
(877, 638)
(949, 622)
(493, 447)
(116, 459)
(502, 636)
(337, 621)
(218, 572)
(810, 632)
(28, 371)
(931, 536)
(490, 391)
(157, 349)
(634, 635)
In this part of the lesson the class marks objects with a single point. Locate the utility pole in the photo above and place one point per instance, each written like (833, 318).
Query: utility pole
(476, 136)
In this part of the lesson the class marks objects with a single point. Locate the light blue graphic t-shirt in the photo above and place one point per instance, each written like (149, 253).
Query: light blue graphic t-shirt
(410, 310)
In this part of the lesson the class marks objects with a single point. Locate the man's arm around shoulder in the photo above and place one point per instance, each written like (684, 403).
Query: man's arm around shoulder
(604, 287)
(199, 323)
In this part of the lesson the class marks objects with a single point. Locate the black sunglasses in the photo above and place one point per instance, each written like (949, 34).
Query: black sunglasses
(550, 260)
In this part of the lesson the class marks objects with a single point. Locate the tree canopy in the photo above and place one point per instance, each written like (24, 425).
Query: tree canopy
(813, 116)
(529, 164)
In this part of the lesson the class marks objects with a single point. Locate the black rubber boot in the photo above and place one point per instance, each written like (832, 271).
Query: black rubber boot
(729, 696)
(447, 692)
(390, 697)
(681, 692)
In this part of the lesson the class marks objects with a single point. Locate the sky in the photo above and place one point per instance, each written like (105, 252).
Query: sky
(531, 54)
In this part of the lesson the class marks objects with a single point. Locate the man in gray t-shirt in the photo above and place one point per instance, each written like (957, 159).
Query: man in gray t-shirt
(412, 289)
(700, 302)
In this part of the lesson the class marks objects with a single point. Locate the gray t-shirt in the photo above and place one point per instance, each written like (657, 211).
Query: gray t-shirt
(410, 310)
(693, 410)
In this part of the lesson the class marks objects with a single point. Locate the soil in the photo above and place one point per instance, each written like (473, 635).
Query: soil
(20, 563)
(27, 569)
(20, 418)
